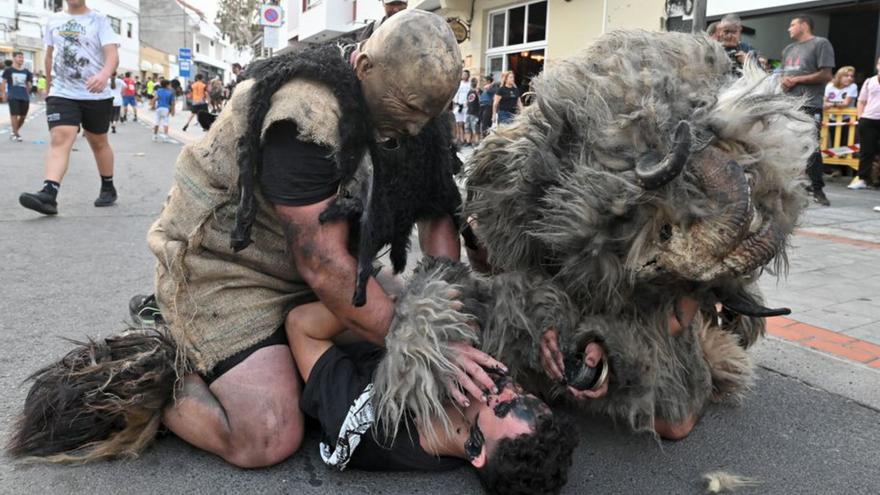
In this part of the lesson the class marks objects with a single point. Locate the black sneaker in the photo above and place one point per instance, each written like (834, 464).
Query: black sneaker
(144, 311)
(819, 197)
(40, 201)
(106, 198)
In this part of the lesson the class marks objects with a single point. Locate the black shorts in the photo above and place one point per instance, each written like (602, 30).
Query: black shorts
(92, 115)
(279, 337)
(19, 107)
(199, 107)
(114, 117)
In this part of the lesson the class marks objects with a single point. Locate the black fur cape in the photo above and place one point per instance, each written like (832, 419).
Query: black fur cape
(409, 183)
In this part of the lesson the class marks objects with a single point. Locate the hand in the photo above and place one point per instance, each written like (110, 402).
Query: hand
(471, 376)
(593, 356)
(554, 366)
(551, 358)
(741, 56)
(789, 82)
(684, 312)
(97, 83)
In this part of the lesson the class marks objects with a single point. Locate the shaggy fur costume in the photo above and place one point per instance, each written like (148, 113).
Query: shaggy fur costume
(558, 194)
(103, 399)
(592, 231)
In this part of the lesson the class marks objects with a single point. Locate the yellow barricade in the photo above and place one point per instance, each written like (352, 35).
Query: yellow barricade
(838, 137)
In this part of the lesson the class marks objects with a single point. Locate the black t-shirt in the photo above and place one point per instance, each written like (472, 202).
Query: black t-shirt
(16, 81)
(473, 102)
(294, 172)
(337, 382)
(509, 97)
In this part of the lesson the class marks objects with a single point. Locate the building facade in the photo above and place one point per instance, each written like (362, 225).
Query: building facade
(524, 36)
(168, 25)
(316, 21)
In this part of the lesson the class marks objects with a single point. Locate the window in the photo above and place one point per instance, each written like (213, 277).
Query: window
(198, 48)
(518, 25)
(129, 29)
(115, 24)
(307, 4)
(517, 41)
(212, 42)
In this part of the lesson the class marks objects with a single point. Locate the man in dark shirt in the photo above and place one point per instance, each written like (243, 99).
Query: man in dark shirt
(486, 99)
(16, 85)
(513, 439)
(806, 69)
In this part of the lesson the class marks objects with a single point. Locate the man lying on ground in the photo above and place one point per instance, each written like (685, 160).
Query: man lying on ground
(513, 439)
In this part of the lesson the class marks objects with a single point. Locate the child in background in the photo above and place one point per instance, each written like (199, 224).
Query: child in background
(116, 87)
(163, 102)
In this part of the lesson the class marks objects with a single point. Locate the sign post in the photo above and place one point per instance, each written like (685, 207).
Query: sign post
(184, 61)
(271, 16)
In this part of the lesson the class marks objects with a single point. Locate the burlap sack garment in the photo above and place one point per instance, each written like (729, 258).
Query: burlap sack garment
(217, 302)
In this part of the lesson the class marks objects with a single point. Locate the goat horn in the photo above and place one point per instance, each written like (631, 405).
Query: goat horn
(652, 175)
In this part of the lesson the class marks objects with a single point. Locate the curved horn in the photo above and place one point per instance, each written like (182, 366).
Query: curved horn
(745, 306)
(652, 175)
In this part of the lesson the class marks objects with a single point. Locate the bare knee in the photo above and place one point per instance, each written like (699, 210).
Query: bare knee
(267, 447)
(62, 136)
(675, 431)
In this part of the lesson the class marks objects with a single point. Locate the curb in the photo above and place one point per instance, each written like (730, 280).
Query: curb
(824, 340)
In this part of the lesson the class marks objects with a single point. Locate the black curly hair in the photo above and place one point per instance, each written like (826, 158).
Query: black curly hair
(532, 463)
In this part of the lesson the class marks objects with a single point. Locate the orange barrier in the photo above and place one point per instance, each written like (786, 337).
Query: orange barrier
(835, 149)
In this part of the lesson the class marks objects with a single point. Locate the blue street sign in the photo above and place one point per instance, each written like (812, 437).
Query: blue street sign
(184, 61)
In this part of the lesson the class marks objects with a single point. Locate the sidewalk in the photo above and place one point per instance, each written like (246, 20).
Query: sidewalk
(833, 281)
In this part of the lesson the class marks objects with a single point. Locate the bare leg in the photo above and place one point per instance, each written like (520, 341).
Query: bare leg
(249, 416)
(103, 152)
(15, 122)
(61, 139)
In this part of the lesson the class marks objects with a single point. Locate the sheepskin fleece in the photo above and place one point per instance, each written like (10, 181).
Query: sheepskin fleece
(560, 211)
(218, 302)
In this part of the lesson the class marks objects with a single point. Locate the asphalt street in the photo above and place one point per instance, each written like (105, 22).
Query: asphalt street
(811, 424)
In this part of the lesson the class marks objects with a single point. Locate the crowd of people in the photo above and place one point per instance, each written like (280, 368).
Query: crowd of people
(805, 70)
(478, 106)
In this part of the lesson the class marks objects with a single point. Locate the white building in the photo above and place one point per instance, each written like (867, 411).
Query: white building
(315, 21)
(169, 25)
(124, 19)
(23, 22)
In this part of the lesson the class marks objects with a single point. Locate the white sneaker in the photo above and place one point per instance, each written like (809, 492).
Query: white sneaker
(18, 139)
(163, 138)
(155, 138)
(877, 209)
(857, 184)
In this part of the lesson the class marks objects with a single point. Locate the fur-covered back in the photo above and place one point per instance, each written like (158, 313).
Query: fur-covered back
(557, 189)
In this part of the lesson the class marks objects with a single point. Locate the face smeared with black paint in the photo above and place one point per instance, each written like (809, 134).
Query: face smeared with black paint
(409, 71)
(508, 414)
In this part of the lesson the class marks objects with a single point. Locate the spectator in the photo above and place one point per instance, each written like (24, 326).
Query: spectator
(163, 102)
(236, 70)
(41, 85)
(806, 69)
(506, 103)
(869, 129)
(128, 97)
(198, 96)
(86, 56)
(486, 99)
(472, 125)
(712, 31)
(116, 86)
(459, 106)
(729, 34)
(215, 95)
(151, 86)
(16, 88)
(841, 92)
